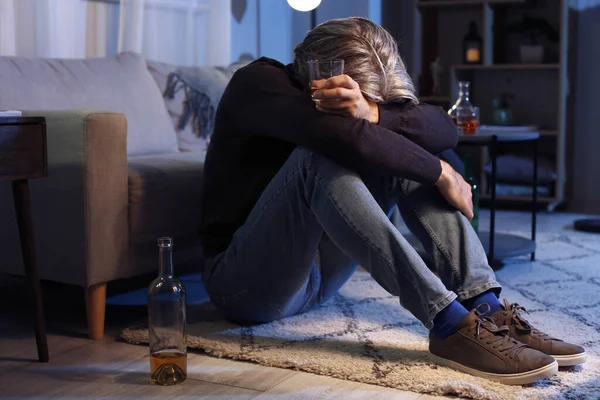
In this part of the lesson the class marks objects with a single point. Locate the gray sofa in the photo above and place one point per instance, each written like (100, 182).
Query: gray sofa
(117, 178)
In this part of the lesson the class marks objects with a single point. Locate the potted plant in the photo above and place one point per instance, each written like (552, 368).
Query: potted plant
(533, 27)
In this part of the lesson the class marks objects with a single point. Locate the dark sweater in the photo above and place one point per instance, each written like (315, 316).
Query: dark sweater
(265, 113)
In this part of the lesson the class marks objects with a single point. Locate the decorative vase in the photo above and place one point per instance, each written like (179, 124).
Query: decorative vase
(502, 116)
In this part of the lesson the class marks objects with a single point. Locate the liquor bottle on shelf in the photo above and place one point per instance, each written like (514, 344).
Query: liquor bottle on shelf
(166, 321)
(470, 179)
(472, 45)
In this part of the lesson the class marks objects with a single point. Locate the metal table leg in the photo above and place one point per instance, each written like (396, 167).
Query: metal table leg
(493, 154)
(23, 207)
(534, 202)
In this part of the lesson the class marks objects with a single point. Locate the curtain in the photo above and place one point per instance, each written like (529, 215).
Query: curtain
(182, 32)
(46, 28)
(7, 28)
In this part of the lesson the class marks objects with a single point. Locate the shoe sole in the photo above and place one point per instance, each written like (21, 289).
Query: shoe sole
(522, 378)
(570, 360)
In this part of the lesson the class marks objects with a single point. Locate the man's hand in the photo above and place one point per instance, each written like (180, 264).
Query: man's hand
(341, 95)
(455, 190)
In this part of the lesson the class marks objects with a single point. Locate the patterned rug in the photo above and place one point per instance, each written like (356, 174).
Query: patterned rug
(363, 334)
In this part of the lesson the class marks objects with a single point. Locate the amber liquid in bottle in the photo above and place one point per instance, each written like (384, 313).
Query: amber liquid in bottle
(167, 322)
(168, 367)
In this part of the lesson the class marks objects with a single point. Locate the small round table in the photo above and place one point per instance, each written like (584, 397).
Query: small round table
(501, 245)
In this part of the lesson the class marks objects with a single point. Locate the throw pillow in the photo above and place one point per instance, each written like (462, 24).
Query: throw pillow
(186, 138)
(192, 95)
(203, 88)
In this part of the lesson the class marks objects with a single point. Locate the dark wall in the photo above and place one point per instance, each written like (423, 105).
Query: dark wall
(398, 18)
(585, 92)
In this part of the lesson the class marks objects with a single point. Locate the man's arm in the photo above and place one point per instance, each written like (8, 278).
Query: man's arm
(426, 125)
(351, 103)
(267, 98)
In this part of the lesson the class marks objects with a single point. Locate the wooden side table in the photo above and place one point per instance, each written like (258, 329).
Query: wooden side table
(23, 157)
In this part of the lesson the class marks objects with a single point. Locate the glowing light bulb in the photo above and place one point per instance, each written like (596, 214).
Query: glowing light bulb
(304, 5)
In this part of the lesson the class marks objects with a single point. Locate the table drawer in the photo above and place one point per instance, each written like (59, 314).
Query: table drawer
(22, 151)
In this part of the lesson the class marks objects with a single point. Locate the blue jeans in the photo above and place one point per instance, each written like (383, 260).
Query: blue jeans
(316, 221)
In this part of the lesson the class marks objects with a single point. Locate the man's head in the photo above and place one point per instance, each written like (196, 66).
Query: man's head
(370, 57)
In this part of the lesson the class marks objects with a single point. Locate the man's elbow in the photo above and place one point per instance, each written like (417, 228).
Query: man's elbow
(446, 140)
(445, 128)
(452, 138)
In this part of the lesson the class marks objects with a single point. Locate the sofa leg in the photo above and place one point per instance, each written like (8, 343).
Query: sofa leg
(95, 305)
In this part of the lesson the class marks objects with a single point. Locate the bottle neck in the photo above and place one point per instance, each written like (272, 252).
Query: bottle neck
(165, 263)
(463, 95)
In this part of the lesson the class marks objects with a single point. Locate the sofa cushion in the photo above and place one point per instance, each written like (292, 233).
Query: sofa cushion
(121, 83)
(164, 195)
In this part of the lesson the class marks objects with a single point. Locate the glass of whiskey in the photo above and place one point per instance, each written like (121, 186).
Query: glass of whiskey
(467, 120)
(322, 70)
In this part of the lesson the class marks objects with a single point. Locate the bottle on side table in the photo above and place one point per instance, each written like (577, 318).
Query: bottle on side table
(463, 113)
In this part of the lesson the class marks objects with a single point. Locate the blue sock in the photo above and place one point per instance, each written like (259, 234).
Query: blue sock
(447, 320)
(488, 297)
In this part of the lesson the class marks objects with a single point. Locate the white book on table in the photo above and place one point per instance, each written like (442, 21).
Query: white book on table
(489, 129)
(10, 113)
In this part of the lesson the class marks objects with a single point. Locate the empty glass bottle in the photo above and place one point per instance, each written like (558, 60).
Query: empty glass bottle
(166, 321)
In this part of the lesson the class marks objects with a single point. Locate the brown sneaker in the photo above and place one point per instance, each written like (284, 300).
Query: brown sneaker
(566, 354)
(482, 349)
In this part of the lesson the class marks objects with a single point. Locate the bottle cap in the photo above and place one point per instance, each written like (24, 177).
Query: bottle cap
(165, 242)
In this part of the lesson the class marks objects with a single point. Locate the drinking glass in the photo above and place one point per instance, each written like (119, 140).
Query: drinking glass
(318, 70)
(467, 120)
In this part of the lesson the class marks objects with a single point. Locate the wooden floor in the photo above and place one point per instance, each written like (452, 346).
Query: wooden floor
(112, 369)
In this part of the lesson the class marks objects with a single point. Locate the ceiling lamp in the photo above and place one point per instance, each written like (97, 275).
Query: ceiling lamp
(304, 5)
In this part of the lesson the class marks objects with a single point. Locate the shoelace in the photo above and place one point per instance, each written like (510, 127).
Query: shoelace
(496, 336)
(521, 323)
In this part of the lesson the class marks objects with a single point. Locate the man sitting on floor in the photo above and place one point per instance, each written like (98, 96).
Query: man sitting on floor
(297, 193)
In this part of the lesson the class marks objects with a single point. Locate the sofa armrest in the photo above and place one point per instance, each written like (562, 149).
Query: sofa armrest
(80, 209)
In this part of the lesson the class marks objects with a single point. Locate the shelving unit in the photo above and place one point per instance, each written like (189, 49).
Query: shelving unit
(507, 66)
(435, 99)
(513, 198)
(466, 3)
(540, 90)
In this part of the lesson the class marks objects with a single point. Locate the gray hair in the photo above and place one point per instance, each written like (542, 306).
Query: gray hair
(370, 57)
